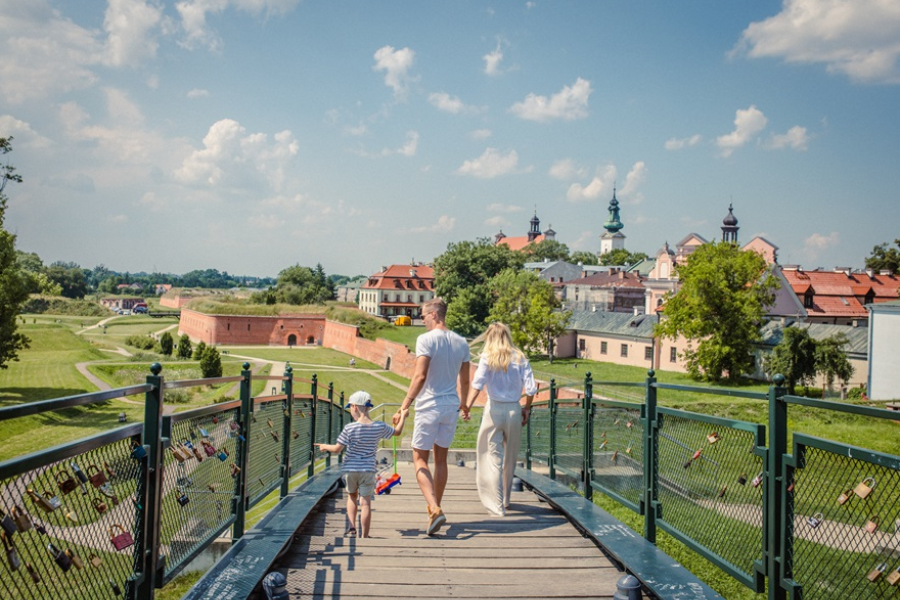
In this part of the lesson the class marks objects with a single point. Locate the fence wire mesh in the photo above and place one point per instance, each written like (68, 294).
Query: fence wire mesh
(301, 434)
(844, 517)
(265, 448)
(538, 431)
(200, 480)
(569, 455)
(619, 453)
(68, 526)
(710, 488)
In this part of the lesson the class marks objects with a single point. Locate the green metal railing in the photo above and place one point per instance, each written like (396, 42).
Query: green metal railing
(822, 522)
(123, 512)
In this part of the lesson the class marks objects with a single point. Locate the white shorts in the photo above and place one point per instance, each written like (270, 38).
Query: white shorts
(435, 426)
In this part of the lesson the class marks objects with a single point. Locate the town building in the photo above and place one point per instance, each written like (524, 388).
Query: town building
(555, 272)
(534, 236)
(883, 375)
(397, 290)
(614, 291)
(348, 291)
(120, 302)
(840, 296)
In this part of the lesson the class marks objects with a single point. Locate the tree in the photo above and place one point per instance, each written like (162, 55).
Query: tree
(885, 258)
(70, 277)
(546, 250)
(166, 343)
(794, 357)
(529, 305)
(13, 286)
(467, 311)
(721, 303)
(832, 361)
(200, 350)
(620, 256)
(465, 265)
(211, 362)
(184, 347)
(585, 258)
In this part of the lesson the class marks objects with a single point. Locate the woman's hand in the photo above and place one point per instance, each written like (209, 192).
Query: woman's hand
(525, 414)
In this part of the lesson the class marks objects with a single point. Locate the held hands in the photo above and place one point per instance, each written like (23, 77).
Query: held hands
(402, 413)
(464, 409)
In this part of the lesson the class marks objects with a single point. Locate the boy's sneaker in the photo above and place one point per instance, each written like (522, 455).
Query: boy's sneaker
(436, 520)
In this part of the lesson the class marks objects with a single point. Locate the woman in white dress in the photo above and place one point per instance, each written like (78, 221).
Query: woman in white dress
(503, 372)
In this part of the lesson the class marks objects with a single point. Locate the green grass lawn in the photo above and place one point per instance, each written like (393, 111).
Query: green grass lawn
(299, 356)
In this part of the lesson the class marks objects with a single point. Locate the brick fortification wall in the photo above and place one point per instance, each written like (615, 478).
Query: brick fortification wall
(282, 330)
(391, 356)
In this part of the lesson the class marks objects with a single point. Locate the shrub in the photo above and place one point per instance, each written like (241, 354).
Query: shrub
(211, 363)
(178, 396)
(857, 393)
(166, 343)
(141, 341)
(185, 351)
(200, 350)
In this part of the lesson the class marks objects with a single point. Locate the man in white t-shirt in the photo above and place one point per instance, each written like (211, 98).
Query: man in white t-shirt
(442, 359)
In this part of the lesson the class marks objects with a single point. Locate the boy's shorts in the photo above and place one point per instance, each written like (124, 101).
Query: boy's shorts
(435, 426)
(362, 482)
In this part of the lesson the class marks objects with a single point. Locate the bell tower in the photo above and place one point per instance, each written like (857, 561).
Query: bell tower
(613, 239)
(730, 227)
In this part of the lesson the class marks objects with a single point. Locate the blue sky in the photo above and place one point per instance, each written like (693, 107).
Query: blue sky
(250, 135)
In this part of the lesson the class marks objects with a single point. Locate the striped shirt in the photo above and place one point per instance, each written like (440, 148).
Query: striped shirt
(361, 441)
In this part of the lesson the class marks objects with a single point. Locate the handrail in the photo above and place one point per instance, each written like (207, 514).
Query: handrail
(33, 408)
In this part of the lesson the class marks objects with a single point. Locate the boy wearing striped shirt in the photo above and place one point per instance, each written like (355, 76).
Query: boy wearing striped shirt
(361, 439)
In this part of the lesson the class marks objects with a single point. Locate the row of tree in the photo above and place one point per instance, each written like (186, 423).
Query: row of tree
(800, 358)
(299, 285)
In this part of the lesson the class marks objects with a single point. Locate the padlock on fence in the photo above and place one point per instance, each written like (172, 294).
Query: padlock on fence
(12, 555)
(875, 573)
(742, 479)
(116, 590)
(72, 515)
(198, 454)
(215, 419)
(270, 423)
(7, 523)
(176, 453)
(110, 493)
(45, 501)
(722, 491)
(234, 425)
(815, 520)
(204, 433)
(872, 524)
(95, 560)
(209, 448)
(182, 498)
(628, 449)
(76, 560)
(65, 481)
(120, 540)
(223, 454)
(95, 475)
(893, 577)
(109, 470)
(863, 489)
(274, 435)
(35, 578)
(23, 521)
(60, 558)
(235, 470)
(138, 452)
(757, 481)
(713, 437)
(844, 497)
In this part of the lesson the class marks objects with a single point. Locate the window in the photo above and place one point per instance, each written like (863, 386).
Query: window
(602, 347)
(673, 354)
(581, 345)
(648, 353)
(624, 351)
(808, 301)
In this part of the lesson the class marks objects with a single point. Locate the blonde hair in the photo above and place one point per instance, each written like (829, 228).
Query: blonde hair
(499, 350)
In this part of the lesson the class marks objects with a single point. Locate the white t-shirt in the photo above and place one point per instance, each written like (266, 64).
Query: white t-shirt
(447, 351)
(505, 386)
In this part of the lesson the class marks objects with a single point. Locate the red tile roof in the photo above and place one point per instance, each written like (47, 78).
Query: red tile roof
(398, 277)
(619, 279)
(839, 294)
(517, 243)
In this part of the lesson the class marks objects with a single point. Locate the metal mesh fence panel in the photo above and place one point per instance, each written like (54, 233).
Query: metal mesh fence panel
(72, 523)
(199, 483)
(619, 453)
(540, 435)
(569, 440)
(844, 515)
(710, 487)
(301, 434)
(265, 448)
(322, 432)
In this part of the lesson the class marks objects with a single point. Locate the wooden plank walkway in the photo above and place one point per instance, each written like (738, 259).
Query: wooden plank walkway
(533, 552)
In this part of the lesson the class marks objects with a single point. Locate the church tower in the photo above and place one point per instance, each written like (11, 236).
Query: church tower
(613, 239)
(730, 227)
(535, 227)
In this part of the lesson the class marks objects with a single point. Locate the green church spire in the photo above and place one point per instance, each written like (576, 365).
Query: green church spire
(613, 224)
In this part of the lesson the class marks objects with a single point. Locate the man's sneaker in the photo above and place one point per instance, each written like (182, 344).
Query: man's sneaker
(436, 520)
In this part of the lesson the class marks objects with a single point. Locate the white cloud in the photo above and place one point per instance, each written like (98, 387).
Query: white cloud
(568, 104)
(198, 93)
(678, 144)
(859, 38)
(444, 224)
(117, 218)
(26, 137)
(396, 65)
(234, 159)
(747, 125)
(480, 134)
(193, 16)
(796, 138)
(451, 104)
(130, 26)
(565, 169)
(818, 242)
(412, 143)
(492, 61)
(600, 185)
(633, 180)
(357, 130)
(497, 221)
(497, 207)
(492, 163)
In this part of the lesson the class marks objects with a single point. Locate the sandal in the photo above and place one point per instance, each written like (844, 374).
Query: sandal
(351, 532)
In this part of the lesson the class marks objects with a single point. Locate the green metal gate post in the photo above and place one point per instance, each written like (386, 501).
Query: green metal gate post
(241, 500)
(314, 390)
(587, 466)
(528, 444)
(774, 513)
(551, 452)
(650, 501)
(288, 386)
(328, 421)
(341, 409)
(148, 564)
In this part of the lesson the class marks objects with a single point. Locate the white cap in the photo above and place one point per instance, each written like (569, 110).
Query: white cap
(360, 398)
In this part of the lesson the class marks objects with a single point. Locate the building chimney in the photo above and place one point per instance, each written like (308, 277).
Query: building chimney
(870, 273)
(412, 272)
(621, 274)
(885, 272)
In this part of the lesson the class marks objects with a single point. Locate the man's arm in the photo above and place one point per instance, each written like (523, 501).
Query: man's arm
(464, 378)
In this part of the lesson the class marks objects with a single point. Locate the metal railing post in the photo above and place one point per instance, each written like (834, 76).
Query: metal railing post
(528, 444)
(314, 391)
(651, 477)
(328, 422)
(241, 500)
(587, 465)
(341, 409)
(149, 494)
(287, 430)
(774, 510)
(551, 452)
